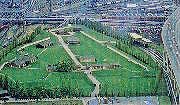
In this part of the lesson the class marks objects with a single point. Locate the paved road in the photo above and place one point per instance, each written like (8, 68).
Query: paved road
(29, 44)
(114, 50)
(170, 36)
(155, 55)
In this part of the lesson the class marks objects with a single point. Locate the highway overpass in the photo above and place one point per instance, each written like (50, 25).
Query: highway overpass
(171, 40)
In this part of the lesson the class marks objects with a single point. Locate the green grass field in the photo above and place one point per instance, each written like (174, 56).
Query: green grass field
(36, 73)
(89, 47)
(130, 79)
(122, 82)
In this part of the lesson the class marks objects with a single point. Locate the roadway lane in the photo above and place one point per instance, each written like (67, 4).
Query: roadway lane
(170, 39)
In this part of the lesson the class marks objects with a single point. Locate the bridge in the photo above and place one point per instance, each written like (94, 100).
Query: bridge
(170, 36)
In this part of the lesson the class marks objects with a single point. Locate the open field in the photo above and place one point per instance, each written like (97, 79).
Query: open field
(37, 75)
(121, 82)
(102, 54)
(132, 50)
(130, 79)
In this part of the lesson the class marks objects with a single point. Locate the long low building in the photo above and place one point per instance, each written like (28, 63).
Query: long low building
(139, 40)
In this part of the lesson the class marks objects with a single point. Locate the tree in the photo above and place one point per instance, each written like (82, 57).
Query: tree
(5, 82)
(65, 66)
(16, 90)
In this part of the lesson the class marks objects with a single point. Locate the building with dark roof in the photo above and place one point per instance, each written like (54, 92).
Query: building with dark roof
(105, 66)
(62, 32)
(72, 40)
(23, 61)
(77, 29)
(44, 44)
(87, 59)
(51, 68)
(3, 93)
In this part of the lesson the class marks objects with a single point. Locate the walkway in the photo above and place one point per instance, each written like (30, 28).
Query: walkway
(114, 50)
(87, 72)
(2, 66)
(42, 51)
(29, 44)
(95, 82)
(65, 46)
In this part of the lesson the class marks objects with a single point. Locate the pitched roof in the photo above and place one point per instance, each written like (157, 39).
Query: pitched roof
(135, 36)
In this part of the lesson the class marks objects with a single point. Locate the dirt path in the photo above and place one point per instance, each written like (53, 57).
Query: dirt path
(114, 50)
(29, 44)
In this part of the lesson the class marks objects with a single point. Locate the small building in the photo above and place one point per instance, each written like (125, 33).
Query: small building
(22, 61)
(145, 42)
(77, 29)
(51, 68)
(87, 59)
(44, 44)
(62, 32)
(72, 40)
(3, 93)
(139, 40)
(105, 66)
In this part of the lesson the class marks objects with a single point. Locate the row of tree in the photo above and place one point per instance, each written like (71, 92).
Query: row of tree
(137, 53)
(66, 66)
(63, 66)
(22, 39)
(39, 90)
(124, 43)
(134, 87)
(99, 27)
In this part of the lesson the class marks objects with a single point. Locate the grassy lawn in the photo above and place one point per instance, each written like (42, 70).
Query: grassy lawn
(89, 47)
(35, 74)
(130, 79)
(30, 49)
(122, 82)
